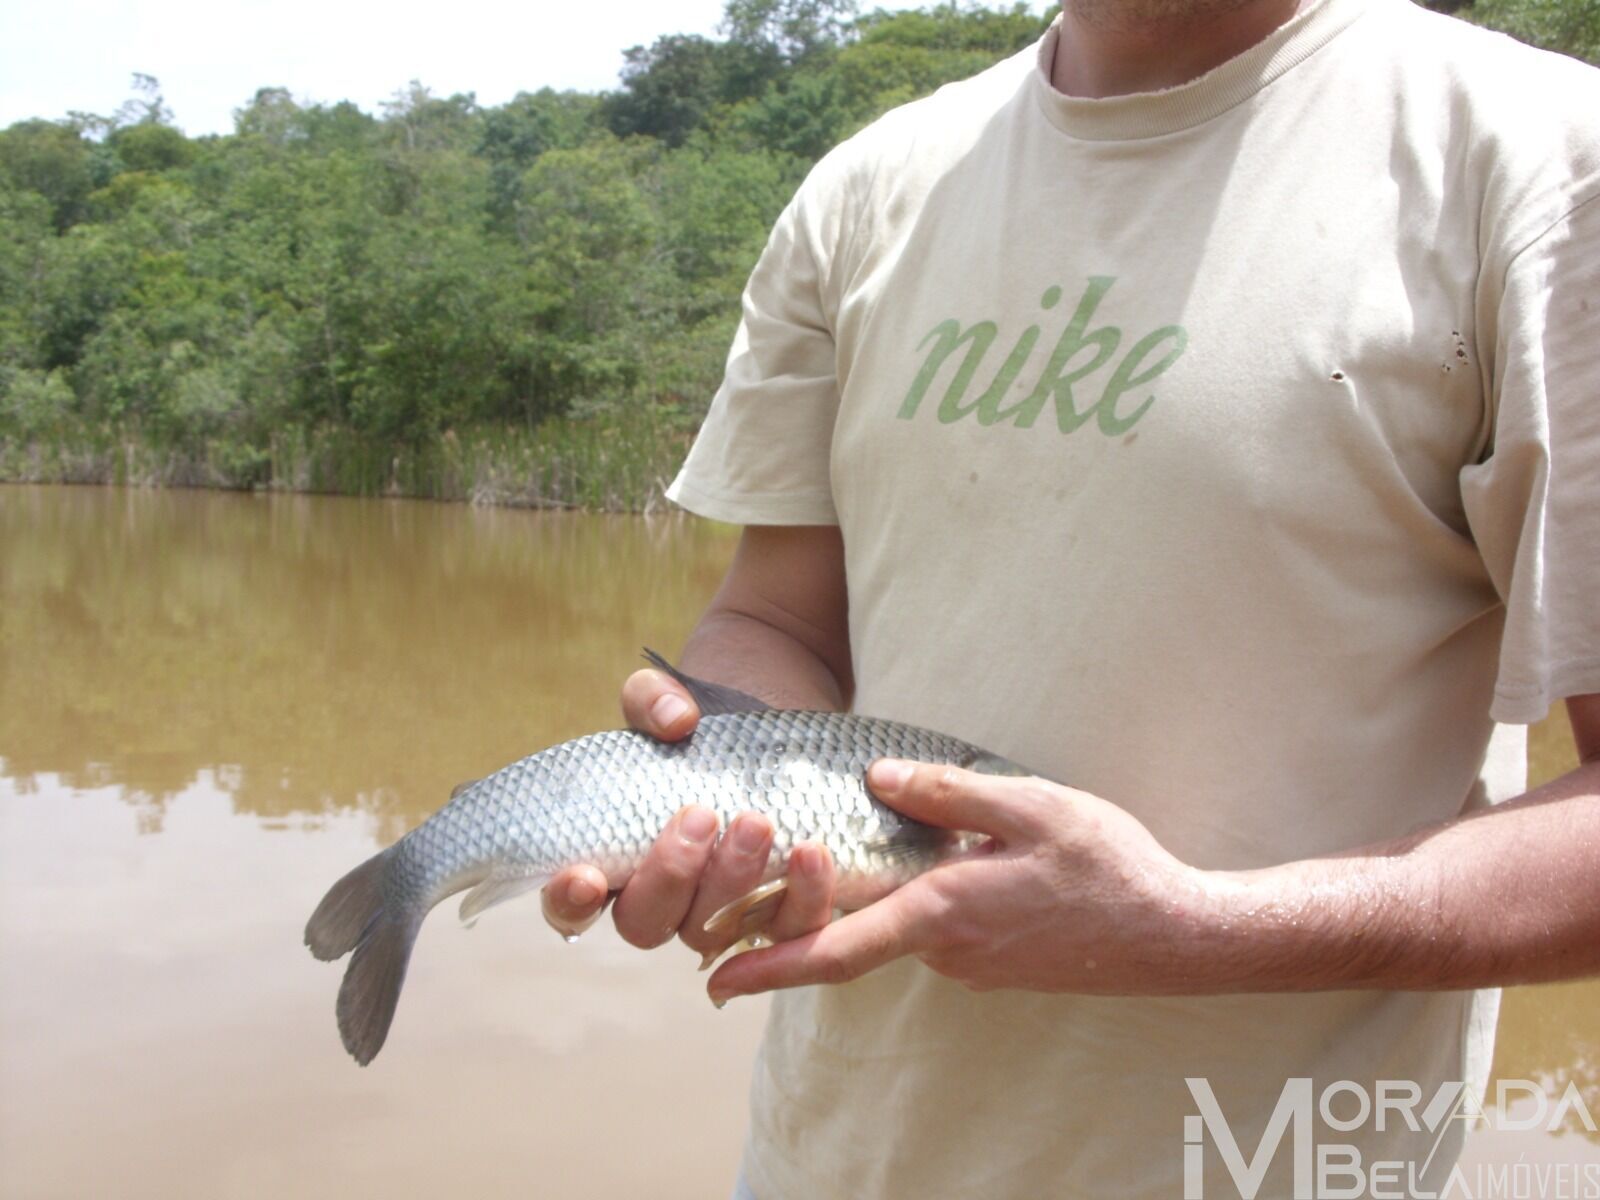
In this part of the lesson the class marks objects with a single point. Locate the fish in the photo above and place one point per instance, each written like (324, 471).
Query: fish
(603, 799)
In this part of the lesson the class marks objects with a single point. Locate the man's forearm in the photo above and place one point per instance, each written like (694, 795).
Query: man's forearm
(746, 652)
(1509, 895)
(778, 626)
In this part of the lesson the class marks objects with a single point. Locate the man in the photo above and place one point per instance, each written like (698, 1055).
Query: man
(1203, 412)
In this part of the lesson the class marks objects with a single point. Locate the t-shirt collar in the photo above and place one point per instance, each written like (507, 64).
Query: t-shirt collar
(1151, 114)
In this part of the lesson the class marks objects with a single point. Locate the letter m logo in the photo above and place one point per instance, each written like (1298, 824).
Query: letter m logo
(1294, 1105)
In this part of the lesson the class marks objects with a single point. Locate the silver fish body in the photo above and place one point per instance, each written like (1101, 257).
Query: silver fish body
(603, 799)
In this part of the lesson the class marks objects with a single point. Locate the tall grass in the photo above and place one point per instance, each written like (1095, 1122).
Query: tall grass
(612, 462)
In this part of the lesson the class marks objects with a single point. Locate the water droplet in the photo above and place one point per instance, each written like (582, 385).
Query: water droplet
(569, 938)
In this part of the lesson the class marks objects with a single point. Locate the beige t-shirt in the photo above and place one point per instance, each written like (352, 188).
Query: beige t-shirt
(1232, 452)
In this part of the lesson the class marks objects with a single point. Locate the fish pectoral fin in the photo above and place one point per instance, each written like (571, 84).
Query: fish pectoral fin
(496, 889)
(909, 841)
(747, 915)
(754, 942)
(985, 763)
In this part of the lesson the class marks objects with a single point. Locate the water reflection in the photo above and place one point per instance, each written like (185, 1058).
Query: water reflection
(319, 654)
(275, 685)
(164, 1034)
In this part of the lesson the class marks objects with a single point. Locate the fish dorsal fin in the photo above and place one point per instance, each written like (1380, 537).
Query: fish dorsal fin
(710, 698)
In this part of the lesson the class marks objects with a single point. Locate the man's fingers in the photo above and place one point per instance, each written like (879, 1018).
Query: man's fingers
(736, 867)
(657, 898)
(808, 902)
(573, 900)
(837, 953)
(999, 805)
(655, 703)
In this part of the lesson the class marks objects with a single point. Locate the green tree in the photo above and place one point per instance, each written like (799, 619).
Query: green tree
(1568, 26)
(26, 237)
(272, 116)
(800, 31)
(588, 239)
(151, 147)
(324, 277)
(420, 121)
(87, 273)
(714, 205)
(669, 89)
(518, 132)
(899, 56)
(52, 159)
(338, 127)
(803, 118)
(147, 107)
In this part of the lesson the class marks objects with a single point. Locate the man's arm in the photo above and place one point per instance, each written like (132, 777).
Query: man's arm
(777, 628)
(1073, 894)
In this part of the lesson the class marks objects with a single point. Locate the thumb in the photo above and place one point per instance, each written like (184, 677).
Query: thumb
(655, 703)
(952, 798)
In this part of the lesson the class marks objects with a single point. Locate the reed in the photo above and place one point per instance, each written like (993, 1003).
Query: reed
(614, 461)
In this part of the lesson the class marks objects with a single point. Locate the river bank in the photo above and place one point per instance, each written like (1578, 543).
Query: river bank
(610, 463)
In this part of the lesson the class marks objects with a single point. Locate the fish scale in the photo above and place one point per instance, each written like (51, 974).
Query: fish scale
(604, 798)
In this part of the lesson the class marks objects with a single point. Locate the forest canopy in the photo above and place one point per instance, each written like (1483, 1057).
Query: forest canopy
(522, 303)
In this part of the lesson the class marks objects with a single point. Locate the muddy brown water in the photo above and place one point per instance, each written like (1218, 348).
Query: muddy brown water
(211, 706)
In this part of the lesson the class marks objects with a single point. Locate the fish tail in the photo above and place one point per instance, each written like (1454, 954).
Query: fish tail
(356, 915)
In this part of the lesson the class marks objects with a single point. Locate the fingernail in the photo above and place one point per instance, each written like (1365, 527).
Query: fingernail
(749, 834)
(581, 893)
(668, 710)
(808, 860)
(889, 775)
(697, 826)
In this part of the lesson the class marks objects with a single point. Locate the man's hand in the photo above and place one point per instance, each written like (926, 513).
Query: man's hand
(1069, 893)
(689, 872)
(1073, 894)
(778, 627)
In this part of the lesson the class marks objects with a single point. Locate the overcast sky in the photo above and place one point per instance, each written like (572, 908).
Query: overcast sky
(61, 55)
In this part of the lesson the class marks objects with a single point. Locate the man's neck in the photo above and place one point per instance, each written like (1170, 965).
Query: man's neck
(1116, 47)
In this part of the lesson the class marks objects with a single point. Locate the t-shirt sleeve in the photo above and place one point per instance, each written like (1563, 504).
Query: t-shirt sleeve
(762, 455)
(1533, 502)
